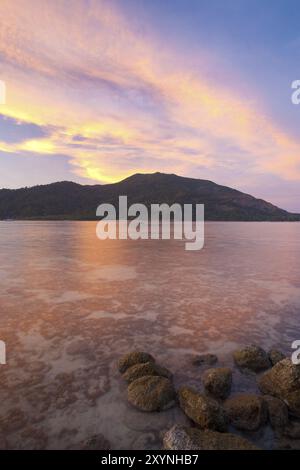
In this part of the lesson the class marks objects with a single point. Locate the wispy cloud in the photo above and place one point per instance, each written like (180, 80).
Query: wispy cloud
(117, 101)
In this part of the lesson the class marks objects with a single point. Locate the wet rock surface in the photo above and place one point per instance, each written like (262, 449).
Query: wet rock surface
(275, 356)
(202, 410)
(292, 430)
(147, 368)
(151, 393)
(246, 412)
(277, 412)
(283, 382)
(132, 358)
(252, 358)
(186, 438)
(217, 382)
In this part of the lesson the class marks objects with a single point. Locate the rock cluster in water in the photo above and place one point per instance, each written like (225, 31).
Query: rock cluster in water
(150, 385)
(211, 413)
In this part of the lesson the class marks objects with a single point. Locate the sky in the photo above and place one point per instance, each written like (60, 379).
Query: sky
(97, 90)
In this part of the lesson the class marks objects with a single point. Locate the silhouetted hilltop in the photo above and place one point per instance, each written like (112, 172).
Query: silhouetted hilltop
(67, 200)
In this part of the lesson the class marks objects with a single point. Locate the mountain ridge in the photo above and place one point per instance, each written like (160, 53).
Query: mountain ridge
(67, 200)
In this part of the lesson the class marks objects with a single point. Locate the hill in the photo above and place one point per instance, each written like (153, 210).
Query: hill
(67, 200)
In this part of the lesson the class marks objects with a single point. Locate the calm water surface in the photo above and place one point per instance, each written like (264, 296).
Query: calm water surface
(70, 305)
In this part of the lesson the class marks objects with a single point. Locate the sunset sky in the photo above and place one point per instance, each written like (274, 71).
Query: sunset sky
(100, 89)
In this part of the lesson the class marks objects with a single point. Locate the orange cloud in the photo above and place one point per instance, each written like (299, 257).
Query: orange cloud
(117, 103)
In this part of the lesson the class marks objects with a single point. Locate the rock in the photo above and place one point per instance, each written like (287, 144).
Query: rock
(133, 358)
(292, 430)
(217, 382)
(181, 438)
(285, 443)
(147, 368)
(204, 360)
(151, 393)
(204, 411)
(277, 412)
(283, 382)
(96, 442)
(246, 412)
(290, 436)
(275, 356)
(252, 358)
(185, 438)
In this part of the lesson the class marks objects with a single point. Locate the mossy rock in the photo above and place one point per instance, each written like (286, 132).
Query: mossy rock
(277, 411)
(246, 411)
(151, 393)
(283, 382)
(252, 358)
(206, 412)
(132, 358)
(217, 382)
(142, 370)
(185, 438)
(275, 356)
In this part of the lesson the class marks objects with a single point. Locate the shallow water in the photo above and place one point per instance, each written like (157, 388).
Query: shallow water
(71, 304)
